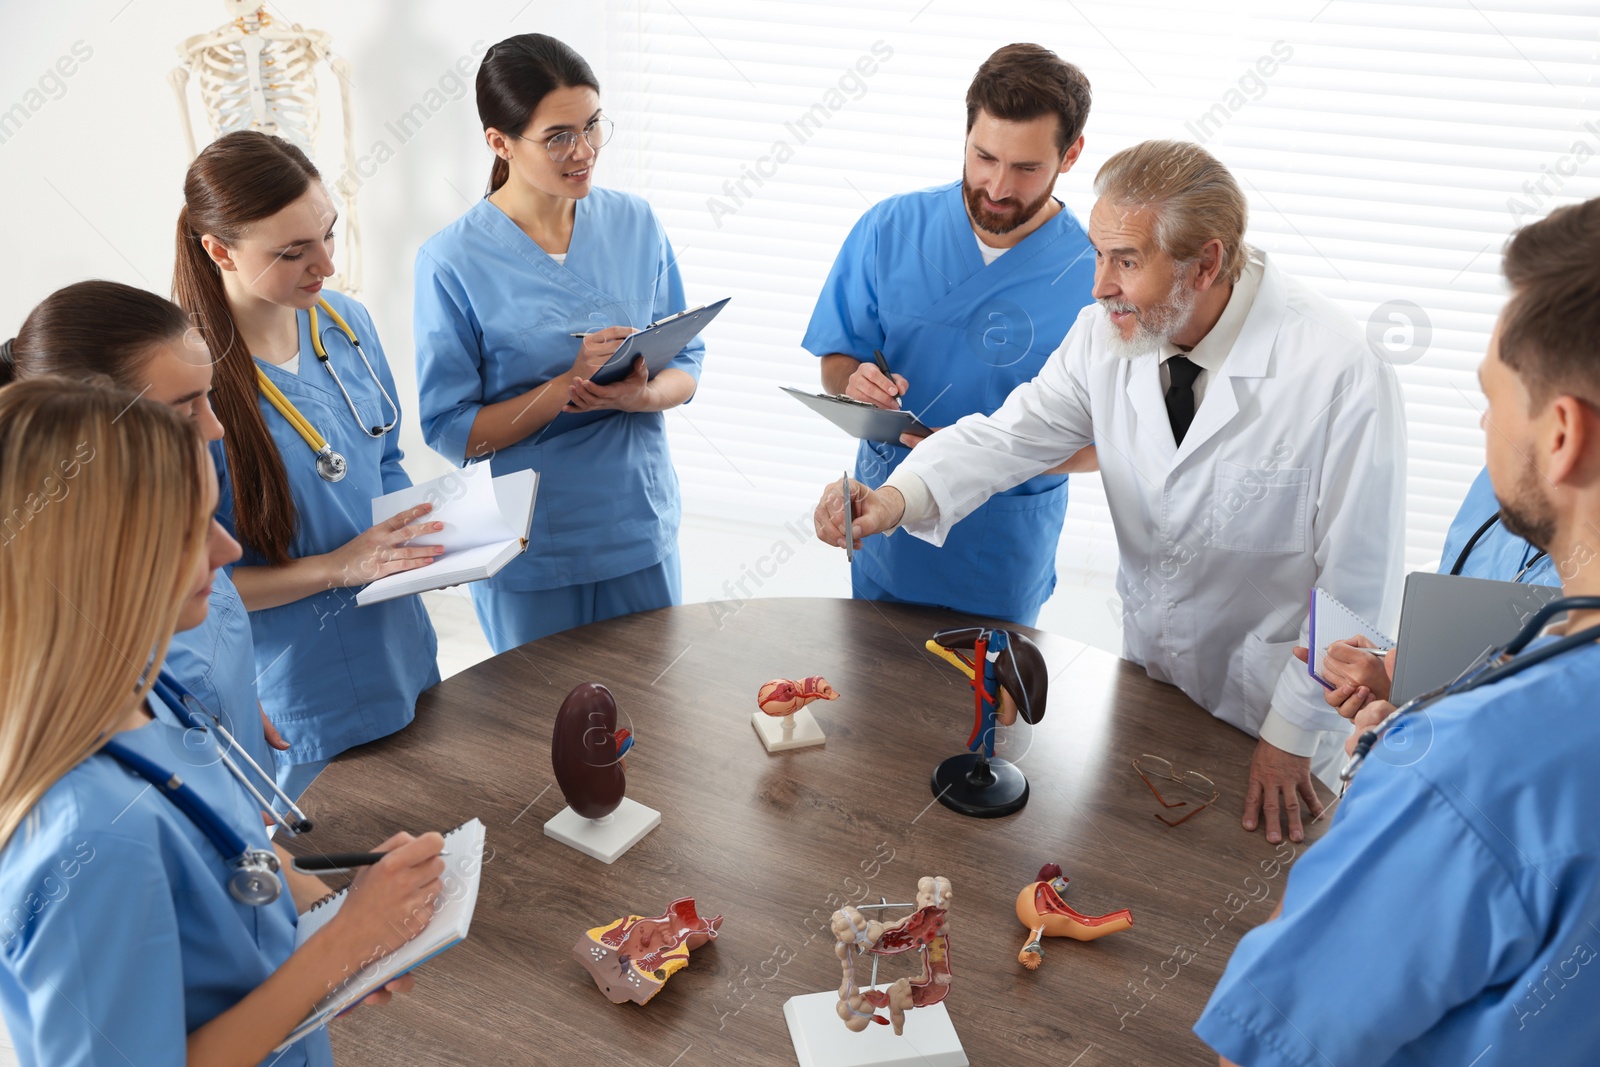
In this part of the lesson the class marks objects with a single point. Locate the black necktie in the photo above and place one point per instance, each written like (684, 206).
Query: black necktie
(1180, 395)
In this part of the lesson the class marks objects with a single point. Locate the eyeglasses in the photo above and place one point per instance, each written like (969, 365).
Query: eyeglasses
(1162, 768)
(562, 145)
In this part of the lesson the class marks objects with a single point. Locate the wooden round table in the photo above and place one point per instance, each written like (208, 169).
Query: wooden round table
(775, 843)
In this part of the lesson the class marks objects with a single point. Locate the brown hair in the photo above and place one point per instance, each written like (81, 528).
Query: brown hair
(1550, 327)
(107, 519)
(93, 327)
(515, 76)
(239, 179)
(1023, 81)
(1194, 197)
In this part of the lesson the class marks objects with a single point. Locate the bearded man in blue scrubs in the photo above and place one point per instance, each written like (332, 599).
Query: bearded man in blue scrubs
(966, 289)
(1451, 914)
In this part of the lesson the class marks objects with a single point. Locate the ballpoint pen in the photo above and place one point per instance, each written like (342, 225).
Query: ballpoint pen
(338, 862)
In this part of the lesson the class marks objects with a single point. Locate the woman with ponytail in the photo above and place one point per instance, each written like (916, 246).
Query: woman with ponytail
(254, 244)
(499, 293)
(120, 941)
(143, 343)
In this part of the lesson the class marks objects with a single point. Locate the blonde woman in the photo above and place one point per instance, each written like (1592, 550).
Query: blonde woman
(126, 933)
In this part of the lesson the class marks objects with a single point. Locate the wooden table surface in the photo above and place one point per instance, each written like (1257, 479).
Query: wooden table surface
(776, 842)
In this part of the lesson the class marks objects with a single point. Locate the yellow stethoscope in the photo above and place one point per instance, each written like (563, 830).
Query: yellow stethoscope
(331, 466)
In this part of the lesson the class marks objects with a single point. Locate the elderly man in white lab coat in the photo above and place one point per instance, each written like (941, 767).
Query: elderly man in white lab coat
(1251, 447)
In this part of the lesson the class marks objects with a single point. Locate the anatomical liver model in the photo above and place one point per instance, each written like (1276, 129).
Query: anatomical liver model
(782, 721)
(924, 932)
(1043, 911)
(632, 958)
(1009, 678)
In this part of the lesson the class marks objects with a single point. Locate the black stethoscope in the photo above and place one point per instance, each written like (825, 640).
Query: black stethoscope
(254, 878)
(1494, 665)
(331, 466)
(1472, 542)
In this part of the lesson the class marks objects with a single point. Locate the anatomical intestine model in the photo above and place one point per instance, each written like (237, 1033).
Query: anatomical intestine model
(924, 931)
(257, 73)
(782, 721)
(632, 958)
(1042, 909)
(1009, 678)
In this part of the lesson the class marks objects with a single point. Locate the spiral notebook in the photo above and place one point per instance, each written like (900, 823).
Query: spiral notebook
(451, 919)
(1331, 621)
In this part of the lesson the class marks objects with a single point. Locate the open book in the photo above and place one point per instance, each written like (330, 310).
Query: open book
(452, 917)
(486, 522)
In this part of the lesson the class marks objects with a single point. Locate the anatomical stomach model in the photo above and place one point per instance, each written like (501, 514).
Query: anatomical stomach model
(632, 958)
(781, 720)
(923, 932)
(1042, 909)
(256, 72)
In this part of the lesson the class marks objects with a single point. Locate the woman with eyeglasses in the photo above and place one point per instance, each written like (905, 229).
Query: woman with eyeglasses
(500, 295)
(313, 436)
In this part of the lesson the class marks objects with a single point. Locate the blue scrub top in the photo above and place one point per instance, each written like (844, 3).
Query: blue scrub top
(332, 674)
(216, 663)
(493, 313)
(120, 937)
(1499, 554)
(1451, 913)
(910, 282)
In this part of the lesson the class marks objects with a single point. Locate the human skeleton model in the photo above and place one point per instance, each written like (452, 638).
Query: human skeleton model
(255, 73)
(923, 931)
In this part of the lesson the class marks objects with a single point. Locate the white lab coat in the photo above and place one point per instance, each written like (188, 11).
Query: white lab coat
(1291, 476)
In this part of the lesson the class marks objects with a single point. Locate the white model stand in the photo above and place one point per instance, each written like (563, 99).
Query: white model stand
(822, 1040)
(783, 732)
(604, 839)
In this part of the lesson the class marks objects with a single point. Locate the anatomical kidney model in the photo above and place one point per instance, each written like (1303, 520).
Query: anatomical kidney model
(586, 750)
(1043, 911)
(632, 958)
(782, 721)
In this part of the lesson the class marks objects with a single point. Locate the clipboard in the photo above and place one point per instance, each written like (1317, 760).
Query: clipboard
(866, 421)
(659, 343)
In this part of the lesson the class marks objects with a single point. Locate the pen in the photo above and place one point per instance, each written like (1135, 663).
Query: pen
(883, 365)
(1373, 651)
(579, 336)
(338, 862)
(849, 520)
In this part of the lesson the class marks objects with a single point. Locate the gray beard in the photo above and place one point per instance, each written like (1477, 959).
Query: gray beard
(1154, 327)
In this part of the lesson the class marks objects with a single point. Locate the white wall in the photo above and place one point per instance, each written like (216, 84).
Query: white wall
(91, 179)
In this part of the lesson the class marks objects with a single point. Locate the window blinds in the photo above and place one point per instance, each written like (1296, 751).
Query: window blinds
(1387, 149)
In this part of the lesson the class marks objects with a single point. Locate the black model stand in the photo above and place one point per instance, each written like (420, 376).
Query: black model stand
(982, 788)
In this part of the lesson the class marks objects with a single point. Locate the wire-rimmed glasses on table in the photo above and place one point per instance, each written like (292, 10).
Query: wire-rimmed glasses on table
(1148, 766)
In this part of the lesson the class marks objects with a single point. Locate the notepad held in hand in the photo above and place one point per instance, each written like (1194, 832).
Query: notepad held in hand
(452, 918)
(486, 520)
(1331, 621)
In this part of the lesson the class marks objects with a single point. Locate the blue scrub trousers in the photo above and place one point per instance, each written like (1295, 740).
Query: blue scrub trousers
(510, 617)
(864, 588)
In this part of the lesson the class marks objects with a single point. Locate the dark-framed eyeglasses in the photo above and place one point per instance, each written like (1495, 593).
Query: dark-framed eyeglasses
(1160, 768)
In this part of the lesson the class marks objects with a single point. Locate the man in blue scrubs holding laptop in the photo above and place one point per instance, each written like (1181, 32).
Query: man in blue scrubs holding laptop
(965, 289)
(1451, 914)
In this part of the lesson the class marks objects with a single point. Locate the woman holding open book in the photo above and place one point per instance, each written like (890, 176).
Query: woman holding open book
(129, 935)
(519, 303)
(306, 395)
